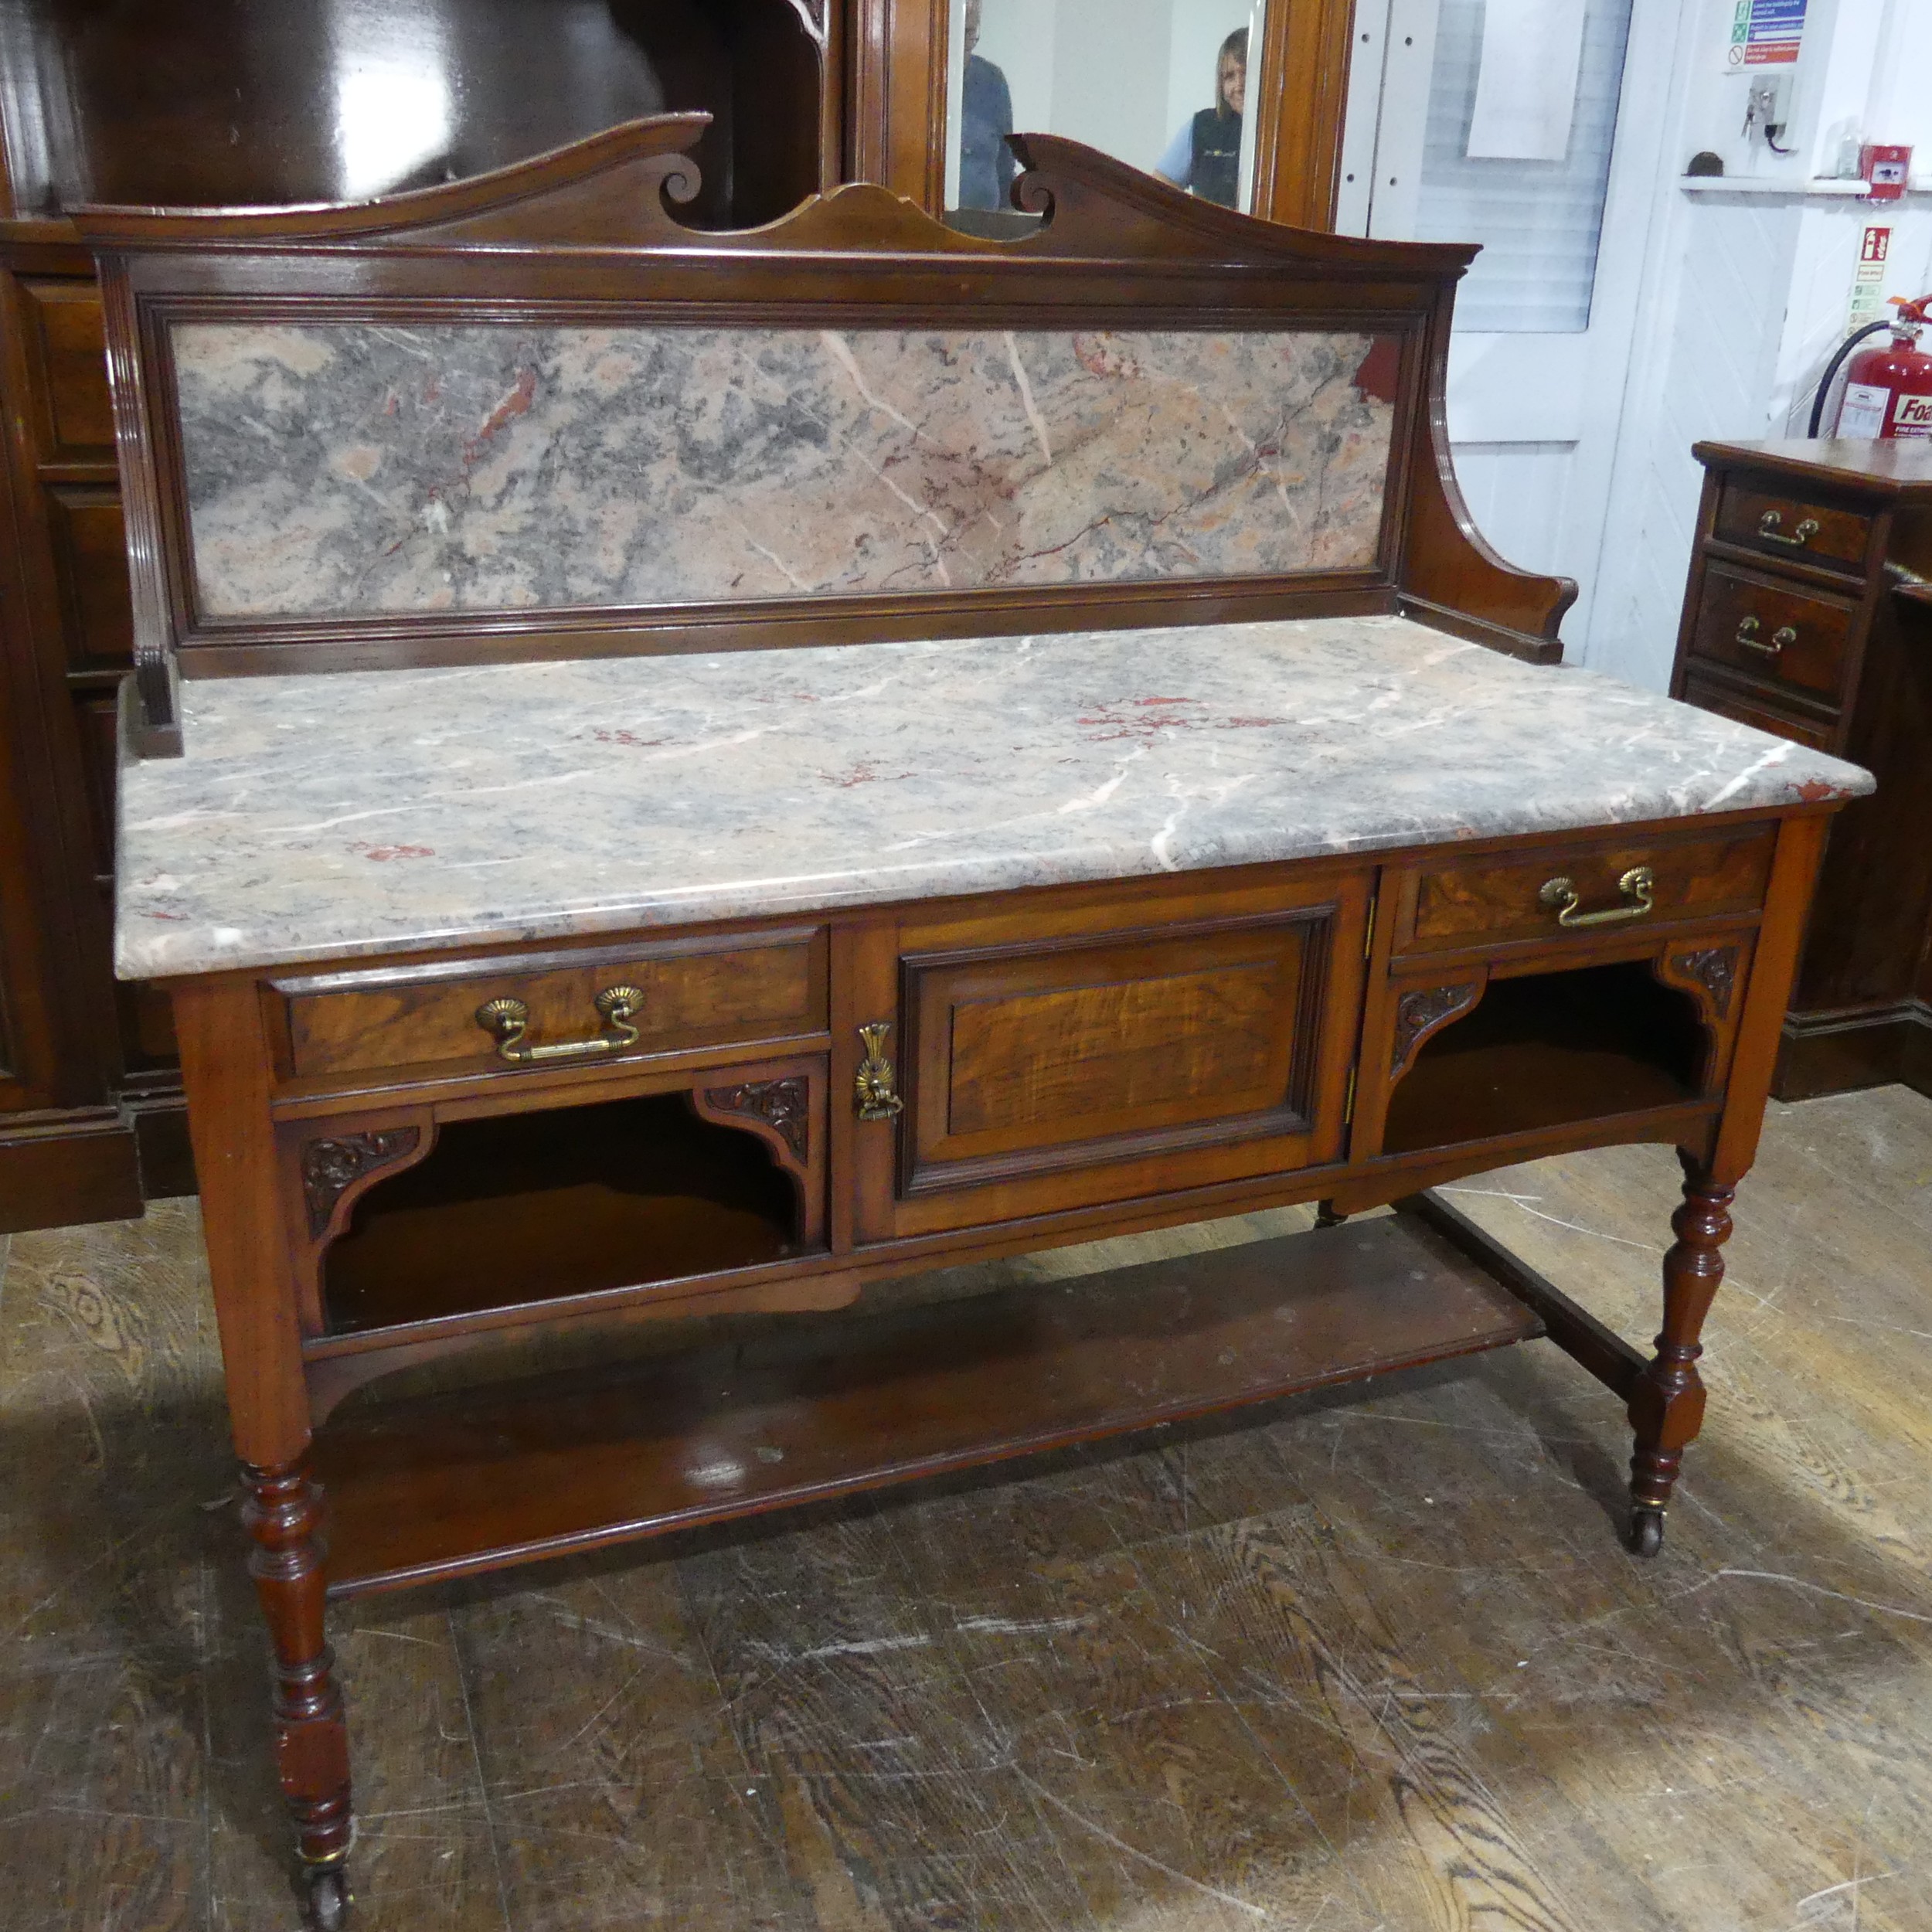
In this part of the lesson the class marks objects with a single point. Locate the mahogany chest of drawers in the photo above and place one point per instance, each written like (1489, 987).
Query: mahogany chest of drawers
(1809, 615)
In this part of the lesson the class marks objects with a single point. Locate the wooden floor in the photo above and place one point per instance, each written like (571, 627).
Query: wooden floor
(1374, 1659)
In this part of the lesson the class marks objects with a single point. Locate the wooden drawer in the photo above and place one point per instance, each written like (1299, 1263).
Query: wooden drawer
(742, 989)
(1707, 694)
(1785, 526)
(1495, 901)
(1773, 631)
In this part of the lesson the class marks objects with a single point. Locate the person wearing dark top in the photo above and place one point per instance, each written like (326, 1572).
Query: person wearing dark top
(1205, 155)
(986, 164)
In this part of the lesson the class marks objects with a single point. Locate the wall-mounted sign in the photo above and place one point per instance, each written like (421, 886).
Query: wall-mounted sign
(1868, 279)
(1764, 33)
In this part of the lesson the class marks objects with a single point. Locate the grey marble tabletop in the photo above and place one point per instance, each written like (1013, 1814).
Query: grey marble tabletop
(329, 817)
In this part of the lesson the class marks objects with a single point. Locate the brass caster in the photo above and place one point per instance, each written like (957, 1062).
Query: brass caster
(1646, 1531)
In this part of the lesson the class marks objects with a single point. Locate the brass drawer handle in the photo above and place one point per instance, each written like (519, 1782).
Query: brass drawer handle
(1637, 886)
(1783, 635)
(504, 1020)
(1770, 527)
(872, 1086)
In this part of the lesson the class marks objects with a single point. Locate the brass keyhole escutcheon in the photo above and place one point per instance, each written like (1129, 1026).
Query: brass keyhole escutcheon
(872, 1086)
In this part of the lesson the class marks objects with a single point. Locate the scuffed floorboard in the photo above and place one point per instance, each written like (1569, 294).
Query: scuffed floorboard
(1372, 1659)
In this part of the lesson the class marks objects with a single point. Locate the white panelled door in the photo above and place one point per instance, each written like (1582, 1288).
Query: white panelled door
(1535, 127)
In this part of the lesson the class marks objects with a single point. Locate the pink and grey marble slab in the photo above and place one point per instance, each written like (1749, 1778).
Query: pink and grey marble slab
(357, 468)
(331, 816)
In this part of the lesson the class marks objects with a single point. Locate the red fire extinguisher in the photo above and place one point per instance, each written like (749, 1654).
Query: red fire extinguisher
(1888, 388)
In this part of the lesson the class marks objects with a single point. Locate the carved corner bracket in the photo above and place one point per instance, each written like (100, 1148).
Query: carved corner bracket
(780, 1110)
(1424, 1010)
(333, 1165)
(1711, 974)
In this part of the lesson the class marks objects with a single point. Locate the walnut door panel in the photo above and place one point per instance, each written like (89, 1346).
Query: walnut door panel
(731, 989)
(1508, 898)
(1060, 1072)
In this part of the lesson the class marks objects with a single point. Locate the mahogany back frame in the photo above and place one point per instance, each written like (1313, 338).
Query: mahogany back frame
(586, 235)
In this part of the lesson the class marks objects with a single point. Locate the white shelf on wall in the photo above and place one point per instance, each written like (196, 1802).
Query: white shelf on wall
(1790, 190)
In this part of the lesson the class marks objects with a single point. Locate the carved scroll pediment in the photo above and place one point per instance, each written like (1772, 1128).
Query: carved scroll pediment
(614, 190)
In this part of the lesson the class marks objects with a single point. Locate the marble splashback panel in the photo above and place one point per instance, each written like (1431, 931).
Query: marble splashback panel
(356, 469)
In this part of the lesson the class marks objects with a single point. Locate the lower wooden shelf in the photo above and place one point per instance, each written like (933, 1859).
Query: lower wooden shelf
(449, 1485)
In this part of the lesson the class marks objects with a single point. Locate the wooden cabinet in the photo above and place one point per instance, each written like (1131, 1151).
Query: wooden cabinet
(228, 102)
(1804, 617)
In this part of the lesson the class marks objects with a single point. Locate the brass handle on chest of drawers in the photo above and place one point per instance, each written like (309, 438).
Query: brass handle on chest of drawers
(873, 1087)
(504, 1020)
(1769, 528)
(1637, 886)
(1747, 636)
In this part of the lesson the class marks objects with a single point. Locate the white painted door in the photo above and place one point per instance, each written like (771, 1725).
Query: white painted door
(1540, 358)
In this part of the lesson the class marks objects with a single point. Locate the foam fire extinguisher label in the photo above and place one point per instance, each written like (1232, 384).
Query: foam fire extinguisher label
(1914, 417)
(1864, 411)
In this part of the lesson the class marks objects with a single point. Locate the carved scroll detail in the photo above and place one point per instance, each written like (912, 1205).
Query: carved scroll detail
(329, 1167)
(1715, 969)
(785, 1106)
(1418, 1014)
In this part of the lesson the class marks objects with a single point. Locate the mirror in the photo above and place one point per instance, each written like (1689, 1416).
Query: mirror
(1161, 84)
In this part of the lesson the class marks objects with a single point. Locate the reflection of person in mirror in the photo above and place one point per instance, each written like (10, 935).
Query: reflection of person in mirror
(986, 164)
(1205, 155)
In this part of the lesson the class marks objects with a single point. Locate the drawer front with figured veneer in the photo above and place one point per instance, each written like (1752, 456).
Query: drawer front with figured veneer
(1781, 526)
(1773, 631)
(557, 1009)
(1560, 893)
(1033, 1058)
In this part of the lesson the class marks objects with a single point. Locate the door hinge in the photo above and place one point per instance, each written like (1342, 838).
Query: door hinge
(1348, 1105)
(1369, 935)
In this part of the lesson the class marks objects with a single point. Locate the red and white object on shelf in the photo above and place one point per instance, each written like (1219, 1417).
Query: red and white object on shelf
(1886, 170)
(1888, 387)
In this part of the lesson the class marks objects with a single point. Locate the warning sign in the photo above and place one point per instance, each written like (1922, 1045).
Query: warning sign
(1868, 279)
(1765, 33)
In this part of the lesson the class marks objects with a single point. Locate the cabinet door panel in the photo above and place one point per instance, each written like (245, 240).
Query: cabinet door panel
(90, 558)
(66, 330)
(1076, 1067)
(1033, 1053)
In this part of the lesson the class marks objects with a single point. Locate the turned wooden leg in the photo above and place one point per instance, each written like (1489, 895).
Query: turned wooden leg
(283, 1516)
(1667, 1407)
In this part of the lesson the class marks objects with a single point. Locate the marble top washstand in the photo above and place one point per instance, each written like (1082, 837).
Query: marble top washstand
(331, 816)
